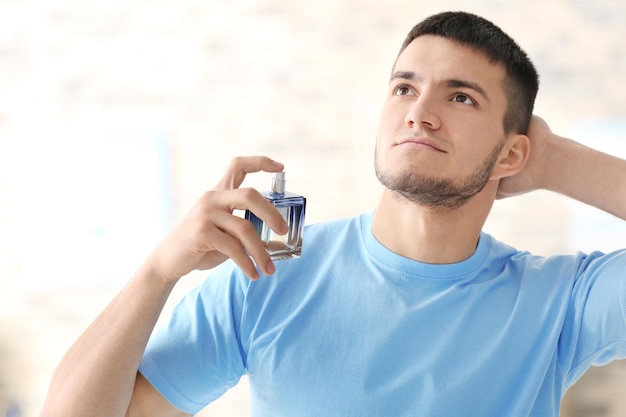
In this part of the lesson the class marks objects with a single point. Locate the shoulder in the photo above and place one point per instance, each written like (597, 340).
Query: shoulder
(335, 226)
(529, 265)
(321, 242)
(333, 235)
(567, 272)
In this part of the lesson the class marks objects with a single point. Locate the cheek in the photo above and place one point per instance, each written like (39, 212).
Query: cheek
(471, 158)
(478, 137)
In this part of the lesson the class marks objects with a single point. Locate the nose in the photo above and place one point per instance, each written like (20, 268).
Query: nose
(423, 113)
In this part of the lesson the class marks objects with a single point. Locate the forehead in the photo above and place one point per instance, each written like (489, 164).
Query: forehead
(437, 59)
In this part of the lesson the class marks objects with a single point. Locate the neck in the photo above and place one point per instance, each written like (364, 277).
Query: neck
(431, 235)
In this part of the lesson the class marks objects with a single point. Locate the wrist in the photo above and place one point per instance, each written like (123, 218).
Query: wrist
(151, 272)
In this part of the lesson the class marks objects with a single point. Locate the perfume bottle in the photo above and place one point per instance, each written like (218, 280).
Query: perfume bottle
(291, 207)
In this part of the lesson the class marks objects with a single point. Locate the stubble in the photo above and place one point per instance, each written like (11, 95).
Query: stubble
(444, 193)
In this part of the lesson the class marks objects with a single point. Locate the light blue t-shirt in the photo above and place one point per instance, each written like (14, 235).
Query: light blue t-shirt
(352, 329)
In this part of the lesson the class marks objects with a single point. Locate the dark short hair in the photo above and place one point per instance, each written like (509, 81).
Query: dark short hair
(521, 81)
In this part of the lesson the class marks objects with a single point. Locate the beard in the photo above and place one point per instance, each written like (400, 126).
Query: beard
(442, 193)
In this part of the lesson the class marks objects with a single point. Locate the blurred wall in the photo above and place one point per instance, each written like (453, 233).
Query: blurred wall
(115, 116)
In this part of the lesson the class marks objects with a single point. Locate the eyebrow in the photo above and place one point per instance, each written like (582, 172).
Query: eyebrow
(450, 83)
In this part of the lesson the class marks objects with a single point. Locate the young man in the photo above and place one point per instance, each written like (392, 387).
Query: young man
(409, 310)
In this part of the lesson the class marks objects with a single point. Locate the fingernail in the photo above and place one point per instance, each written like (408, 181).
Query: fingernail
(271, 268)
(284, 228)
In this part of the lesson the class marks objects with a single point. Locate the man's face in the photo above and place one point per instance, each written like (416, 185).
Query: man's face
(441, 129)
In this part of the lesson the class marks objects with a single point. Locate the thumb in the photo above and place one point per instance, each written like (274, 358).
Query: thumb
(243, 165)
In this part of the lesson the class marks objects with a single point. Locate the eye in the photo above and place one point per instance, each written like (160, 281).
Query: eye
(464, 99)
(402, 90)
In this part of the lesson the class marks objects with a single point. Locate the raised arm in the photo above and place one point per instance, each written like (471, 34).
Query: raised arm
(564, 166)
(98, 375)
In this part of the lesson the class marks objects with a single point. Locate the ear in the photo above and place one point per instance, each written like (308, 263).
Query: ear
(512, 158)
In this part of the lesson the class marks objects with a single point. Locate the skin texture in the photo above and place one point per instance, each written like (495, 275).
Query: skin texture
(425, 101)
(441, 193)
(441, 131)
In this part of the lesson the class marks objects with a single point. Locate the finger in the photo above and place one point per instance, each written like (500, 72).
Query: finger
(251, 199)
(232, 247)
(241, 237)
(245, 233)
(243, 165)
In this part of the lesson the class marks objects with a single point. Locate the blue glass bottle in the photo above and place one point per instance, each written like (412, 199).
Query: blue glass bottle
(292, 208)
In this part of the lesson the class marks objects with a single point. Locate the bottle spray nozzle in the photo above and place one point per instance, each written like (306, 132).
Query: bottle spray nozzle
(278, 183)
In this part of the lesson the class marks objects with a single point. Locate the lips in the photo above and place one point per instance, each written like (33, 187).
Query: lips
(421, 142)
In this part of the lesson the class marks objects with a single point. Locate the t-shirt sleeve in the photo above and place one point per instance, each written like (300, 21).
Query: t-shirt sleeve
(594, 331)
(197, 356)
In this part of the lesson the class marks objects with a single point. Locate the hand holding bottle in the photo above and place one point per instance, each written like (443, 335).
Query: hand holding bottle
(292, 208)
(210, 233)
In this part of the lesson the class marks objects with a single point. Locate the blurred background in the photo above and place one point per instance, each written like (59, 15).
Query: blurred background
(115, 116)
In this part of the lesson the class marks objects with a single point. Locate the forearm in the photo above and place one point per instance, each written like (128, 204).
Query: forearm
(97, 375)
(587, 175)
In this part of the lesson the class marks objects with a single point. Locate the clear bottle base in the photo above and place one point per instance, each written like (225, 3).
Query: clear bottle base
(278, 250)
(285, 255)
